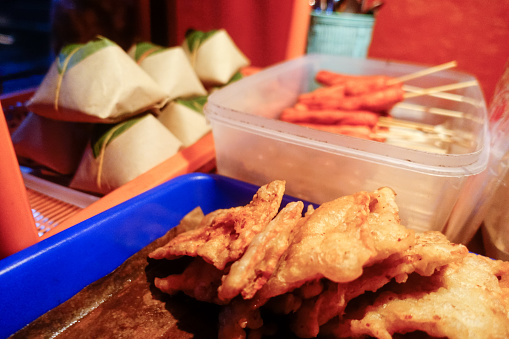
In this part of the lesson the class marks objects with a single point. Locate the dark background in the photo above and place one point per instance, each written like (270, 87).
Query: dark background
(25, 53)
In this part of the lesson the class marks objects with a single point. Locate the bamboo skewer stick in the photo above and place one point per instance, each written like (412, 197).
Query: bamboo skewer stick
(417, 146)
(431, 110)
(444, 95)
(421, 135)
(392, 122)
(444, 88)
(424, 72)
(414, 139)
(430, 133)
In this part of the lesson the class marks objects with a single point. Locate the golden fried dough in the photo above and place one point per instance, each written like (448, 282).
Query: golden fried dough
(336, 241)
(225, 234)
(463, 300)
(248, 274)
(387, 234)
(199, 280)
(236, 317)
(431, 251)
(347, 268)
(340, 238)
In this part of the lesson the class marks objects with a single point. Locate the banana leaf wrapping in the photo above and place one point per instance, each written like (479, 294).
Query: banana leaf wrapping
(214, 56)
(185, 119)
(57, 145)
(123, 152)
(95, 82)
(170, 69)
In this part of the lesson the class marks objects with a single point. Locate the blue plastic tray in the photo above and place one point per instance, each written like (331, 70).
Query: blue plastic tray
(43, 276)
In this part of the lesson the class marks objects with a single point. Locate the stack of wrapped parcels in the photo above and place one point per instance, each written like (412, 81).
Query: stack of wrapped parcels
(103, 116)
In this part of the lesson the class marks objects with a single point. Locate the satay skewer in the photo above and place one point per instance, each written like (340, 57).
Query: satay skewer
(417, 145)
(430, 132)
(414, 139)
(393, 122)
(424, 72)
(431, 110)
(445, 95)
(444, 88)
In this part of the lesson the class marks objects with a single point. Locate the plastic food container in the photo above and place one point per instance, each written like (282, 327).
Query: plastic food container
(496, 224)
(42, 276)
(254, 146)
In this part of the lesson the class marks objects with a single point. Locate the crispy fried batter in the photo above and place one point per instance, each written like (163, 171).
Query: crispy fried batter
(248, 274)
(236, 317)
(329, 242)
(347, 268)
(431, 251)
(463, 300)
(226, 233)
(199, 280)
(336, 241)
(387, 234)
(340, 238)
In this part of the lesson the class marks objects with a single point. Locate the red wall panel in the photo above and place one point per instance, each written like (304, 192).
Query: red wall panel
(258, 28)
(475, 33)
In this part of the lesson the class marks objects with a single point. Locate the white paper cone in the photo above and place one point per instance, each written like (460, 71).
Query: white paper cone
(186, 124)
(143, 146)
(171, 69)
(217, 59)
(106, 86)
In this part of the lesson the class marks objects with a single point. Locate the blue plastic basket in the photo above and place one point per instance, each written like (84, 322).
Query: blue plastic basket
(347, 34)
(41, 277)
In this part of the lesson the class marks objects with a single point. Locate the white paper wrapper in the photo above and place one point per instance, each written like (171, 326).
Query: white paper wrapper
(104, 86)
(215, 59)
(187, 124)
(170, 68)
(144, 145)
(55, 144)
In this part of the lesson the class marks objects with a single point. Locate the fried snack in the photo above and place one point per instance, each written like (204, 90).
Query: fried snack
(225, 234)
(345, 269)
(248, 274)
(340, 238)
(387, 234)
(237, 316)
(335, 242)
(199, 280)
(431, 252)
(190, 221)
(466, 299)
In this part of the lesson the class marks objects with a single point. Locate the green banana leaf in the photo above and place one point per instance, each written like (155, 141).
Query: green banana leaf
(144, 49)
(70, 55)
(196, 104)
(195, 38)
(107, 133)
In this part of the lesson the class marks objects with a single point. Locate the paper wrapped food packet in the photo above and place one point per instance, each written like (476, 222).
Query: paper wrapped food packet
(170, 68)
(122, 152)
(57, 145)
(214, 56)
(95, 82)
(185, 119)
